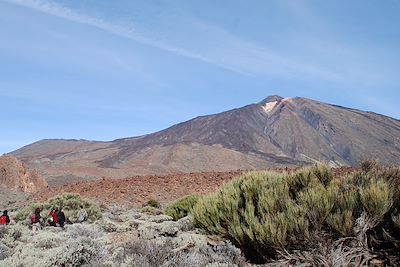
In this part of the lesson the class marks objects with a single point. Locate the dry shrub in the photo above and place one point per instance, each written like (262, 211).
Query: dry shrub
(3, 252)
(342, 252)
(84, 230)
(3, 231)
(152, 203)
(149, 253)
(75, 253)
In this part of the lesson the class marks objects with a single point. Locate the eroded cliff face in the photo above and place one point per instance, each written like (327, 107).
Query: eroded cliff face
(14, 175)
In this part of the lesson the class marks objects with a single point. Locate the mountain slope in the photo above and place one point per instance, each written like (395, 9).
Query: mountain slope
(276, 132)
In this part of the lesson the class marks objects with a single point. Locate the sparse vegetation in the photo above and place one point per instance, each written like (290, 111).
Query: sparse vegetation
(268, 213)
(181, 208)
(149, 253)
(89, 245)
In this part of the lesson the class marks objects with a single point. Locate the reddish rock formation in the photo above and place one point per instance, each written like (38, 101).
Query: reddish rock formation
(15, 175)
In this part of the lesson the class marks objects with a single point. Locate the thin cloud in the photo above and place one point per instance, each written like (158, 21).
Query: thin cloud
(123, 31)
(218, 47)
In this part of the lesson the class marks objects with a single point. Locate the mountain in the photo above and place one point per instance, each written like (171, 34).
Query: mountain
(276, 132)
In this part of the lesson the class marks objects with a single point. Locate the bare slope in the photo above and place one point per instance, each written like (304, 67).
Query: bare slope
(273, 133)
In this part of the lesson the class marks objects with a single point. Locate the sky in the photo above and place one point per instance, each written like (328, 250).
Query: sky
(102, 70)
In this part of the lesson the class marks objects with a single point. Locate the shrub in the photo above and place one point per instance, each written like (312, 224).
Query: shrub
(267, 212)
(47, 248)
(149, 253)
(153, 203)
(339, 253)
(253, 213)
(76, 253)
(3, 252)
(181, 207)
(376, 199)
(84, 230)
(10, 234)
(69, 202)
(3, 231)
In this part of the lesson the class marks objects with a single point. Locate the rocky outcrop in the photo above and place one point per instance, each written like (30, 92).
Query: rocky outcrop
(15, 175)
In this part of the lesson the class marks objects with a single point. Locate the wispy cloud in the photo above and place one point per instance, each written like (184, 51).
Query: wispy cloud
(129, 32)
(229, 51)
(322, 61)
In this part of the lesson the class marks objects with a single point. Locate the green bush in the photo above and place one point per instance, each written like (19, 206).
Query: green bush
(181, 208)
(69, 202)
(267, 212)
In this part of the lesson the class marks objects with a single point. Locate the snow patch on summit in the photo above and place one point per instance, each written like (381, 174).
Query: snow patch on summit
(268, 107)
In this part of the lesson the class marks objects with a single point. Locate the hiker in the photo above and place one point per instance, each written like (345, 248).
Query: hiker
(82, 215)
(4, 219)
(53, 217)
(61, 217)
(35, 220)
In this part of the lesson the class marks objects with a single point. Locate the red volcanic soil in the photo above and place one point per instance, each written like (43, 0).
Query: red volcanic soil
(138, 190)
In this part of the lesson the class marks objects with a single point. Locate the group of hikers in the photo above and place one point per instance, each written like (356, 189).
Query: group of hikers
(56, 218)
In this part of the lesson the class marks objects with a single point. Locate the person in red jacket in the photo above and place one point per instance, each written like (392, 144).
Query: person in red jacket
(53, 217)
(4, 219)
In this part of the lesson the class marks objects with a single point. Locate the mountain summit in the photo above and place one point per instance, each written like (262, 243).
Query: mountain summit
(275, 132)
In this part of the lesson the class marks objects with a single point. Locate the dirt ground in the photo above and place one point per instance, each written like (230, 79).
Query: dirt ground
(137, 190)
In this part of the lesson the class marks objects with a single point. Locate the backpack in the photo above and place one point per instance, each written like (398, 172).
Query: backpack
(3, 220)
(33, 218)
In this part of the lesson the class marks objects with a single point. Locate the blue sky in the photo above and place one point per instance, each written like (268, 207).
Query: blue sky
(101, 70)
